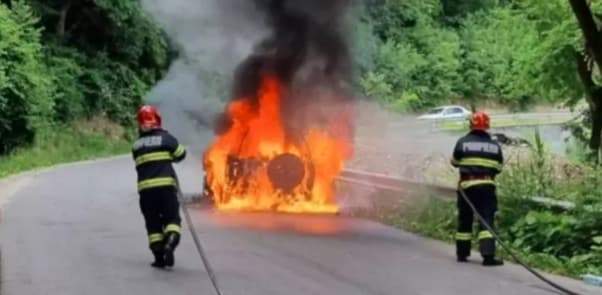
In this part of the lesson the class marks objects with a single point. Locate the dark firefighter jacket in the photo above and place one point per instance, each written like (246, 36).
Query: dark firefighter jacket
(154, 153)
(479, 159)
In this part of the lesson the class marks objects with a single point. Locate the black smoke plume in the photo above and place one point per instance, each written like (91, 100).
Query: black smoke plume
(307, 50)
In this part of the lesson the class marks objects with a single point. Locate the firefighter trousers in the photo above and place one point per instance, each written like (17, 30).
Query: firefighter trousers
(161, 211)
(485, 201)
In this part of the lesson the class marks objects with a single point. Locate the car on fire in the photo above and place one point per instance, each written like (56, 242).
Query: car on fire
(446, 113)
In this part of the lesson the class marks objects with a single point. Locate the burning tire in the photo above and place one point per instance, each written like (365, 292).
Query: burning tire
(286, 172)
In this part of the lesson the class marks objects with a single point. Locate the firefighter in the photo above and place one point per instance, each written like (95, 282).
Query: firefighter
(479, 160)
(154, 152)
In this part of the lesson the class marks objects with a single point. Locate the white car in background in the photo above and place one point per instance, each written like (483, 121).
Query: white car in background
(445, 113)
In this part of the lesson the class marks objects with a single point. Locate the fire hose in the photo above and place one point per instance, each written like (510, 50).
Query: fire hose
(511, 251)
(197, 242)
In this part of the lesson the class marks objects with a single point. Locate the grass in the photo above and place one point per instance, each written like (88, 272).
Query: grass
(79, 141)
(436, 219)
(555, 240)
(430, 217)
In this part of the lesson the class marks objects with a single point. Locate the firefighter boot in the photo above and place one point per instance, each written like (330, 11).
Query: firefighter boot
(159, 260)
(463, 250)
(157, 249)
(487, 246)
(489, 260)
(171, 242)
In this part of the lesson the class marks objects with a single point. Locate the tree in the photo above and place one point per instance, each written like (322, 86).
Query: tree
(63, 60)
(593, 48)
(498, 46)
(417, 59)
(454, 11)
(25, 90)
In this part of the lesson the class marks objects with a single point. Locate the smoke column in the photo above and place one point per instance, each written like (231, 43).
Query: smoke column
(229, 43)
(306, 49)
(212, 37)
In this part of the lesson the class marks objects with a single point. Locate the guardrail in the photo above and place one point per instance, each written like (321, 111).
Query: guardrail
(403, 186)
(508, 120)
(394, 184)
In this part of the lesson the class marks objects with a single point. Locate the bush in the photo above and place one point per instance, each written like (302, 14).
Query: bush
(65, 70)
(415, 62)
(565, 238)
(433, 218)
(103, 63)
(76, 141)
(132, 38)
(26, 101)
(570, 236)
(112, 89)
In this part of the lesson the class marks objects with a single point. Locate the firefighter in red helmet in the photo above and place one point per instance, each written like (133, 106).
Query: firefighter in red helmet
(154, 152)
(479, 159)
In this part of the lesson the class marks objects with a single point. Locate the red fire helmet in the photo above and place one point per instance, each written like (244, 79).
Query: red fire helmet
(480, 121)
(149, 117)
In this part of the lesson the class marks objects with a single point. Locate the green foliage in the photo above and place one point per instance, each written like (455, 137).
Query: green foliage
(498, 46)
(65, 70)
(112, 89)
(553, 67)
(562, 234)
(416, 61)
(101, 61)
(516, 53)
(455, 10)
(392, 17)
(547, 230)
(25, 90)
(135, 39)
(434, 218)
(120, 28)
(67, 143)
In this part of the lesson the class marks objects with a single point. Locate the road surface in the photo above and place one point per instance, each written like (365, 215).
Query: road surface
(77, 230)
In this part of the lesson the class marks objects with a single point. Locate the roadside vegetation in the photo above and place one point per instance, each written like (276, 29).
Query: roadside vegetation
(79, 140)
(65, 63)
(549, 211)
(417, 54)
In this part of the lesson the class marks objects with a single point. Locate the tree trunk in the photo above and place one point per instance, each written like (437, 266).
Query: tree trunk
(593, 42)
(593, 95)
(588, 25)
(61, 25)
(596, 129)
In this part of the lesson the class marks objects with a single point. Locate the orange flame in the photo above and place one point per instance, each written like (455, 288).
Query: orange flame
(257, 132)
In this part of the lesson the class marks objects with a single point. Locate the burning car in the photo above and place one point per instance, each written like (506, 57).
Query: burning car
(257, 165)
(285, 136)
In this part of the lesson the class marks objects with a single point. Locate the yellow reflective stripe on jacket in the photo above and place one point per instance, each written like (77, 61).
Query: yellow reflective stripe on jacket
(156, 182)
(470, 183)
(154, 238)
(463, 236)
(179, 151)
(485, 235)
(173, 228)
(153, 157)
(480, 162)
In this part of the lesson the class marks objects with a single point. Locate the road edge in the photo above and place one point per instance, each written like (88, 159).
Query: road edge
(22, 179)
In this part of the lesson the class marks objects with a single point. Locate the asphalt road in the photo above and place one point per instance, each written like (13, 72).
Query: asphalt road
(77, 230)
